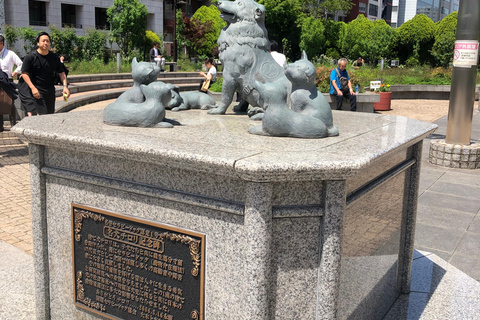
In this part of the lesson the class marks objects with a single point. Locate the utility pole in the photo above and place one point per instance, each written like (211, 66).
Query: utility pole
(462, 92)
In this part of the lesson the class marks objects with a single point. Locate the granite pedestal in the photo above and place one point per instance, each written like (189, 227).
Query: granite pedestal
(294, 228)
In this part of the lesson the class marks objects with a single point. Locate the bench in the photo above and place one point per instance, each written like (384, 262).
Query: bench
(423, 91)
(173, 66)
(365, 102)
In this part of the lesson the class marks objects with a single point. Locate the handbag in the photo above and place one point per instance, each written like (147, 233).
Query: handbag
(205, 85)
(343, 82)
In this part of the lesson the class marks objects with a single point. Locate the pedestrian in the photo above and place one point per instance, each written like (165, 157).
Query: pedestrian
(358, 63)
(209, 76)
(156, 57)
(8, 59)
(341, 86)
(278, 57)
(63, 59)
(37, 83)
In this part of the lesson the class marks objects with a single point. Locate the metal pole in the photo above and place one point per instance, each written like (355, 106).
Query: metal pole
(462, 93)
(175, 31)
(119, 60)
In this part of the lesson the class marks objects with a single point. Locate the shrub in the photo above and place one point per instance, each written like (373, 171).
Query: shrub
(312, 39)
(209, 15)
(11, 35)
(63, 40)
(28, 35)
(94, 45)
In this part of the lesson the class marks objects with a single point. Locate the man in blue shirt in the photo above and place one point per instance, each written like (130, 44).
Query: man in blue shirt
(339, 91)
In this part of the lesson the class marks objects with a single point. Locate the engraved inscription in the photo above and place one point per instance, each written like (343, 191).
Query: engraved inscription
(129, 268)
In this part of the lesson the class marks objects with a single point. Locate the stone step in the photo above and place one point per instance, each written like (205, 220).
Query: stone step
(119, 76)
(78, 87)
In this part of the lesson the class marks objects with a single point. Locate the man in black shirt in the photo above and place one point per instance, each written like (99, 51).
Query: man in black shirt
(36, 87)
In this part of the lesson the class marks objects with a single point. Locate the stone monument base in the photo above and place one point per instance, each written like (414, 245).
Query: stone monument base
(277, 228)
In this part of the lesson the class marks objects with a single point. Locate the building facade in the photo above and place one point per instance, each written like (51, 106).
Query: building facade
(404, 10)
(83, 15)
(372, 9)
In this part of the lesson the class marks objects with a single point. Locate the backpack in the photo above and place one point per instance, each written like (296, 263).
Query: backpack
(343, 81)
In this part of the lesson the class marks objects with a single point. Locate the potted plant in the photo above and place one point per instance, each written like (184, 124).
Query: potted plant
(385, 98)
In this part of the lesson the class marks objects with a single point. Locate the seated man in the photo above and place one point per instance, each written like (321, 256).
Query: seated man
(341, 86)
(156, 57)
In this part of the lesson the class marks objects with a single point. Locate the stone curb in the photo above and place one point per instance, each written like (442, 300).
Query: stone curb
(454, 155)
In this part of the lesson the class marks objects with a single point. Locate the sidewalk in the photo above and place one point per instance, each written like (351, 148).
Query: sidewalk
(448, 226)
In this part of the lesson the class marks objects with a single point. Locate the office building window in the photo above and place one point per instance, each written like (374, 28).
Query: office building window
(69, 16)
(37, 13)
(445, 10)
(373, 10)
(362, 7)
(101, 21)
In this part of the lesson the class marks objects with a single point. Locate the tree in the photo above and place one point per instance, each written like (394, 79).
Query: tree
(312, 39)
(63, 40)
(380, 42)
(283, 20)
(334, 33)
(445, 34)
(356, 37)
(128, 23)
(196, 33)
(11, 35)
(94, 45)
(415, 39)
(209, 17)
(28, 35)
(334, 6)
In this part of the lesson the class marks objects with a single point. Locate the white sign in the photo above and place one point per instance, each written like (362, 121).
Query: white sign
(374, 85)
(465, 54)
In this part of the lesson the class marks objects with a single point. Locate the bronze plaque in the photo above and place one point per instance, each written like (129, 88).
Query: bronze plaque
(130, 268)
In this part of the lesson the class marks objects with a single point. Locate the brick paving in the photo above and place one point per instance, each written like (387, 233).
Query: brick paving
(15, 208)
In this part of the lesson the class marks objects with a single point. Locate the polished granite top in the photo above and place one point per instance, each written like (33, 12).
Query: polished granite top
(222, 144)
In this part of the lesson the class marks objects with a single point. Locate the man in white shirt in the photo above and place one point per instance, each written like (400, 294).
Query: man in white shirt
(156, 57)
(8, 59)
(278, 57)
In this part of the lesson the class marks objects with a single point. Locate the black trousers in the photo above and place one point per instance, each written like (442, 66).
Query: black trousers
(351, 97)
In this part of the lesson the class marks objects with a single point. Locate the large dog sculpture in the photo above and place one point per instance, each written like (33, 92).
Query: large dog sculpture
(244, 50)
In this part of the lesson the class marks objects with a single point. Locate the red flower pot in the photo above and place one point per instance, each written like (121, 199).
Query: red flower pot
(385, 101)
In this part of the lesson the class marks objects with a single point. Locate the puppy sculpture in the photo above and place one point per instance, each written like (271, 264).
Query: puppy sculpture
(150, 113)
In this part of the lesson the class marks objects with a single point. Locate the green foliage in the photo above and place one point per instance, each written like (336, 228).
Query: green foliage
(380, 42)
(416, 38)
(334, 32)
(28, 35)
(333, 6)
(312, 39)
(283, 21)
(63, 40)
(355, 40)
(187, 65)
(211, 15)
(96, 66)
(11, 35)
(180, 32)
(78, 44)
(94, 45)
(445, 33)
(128, 23)
(217, 85)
